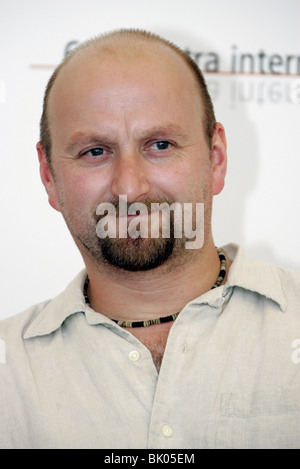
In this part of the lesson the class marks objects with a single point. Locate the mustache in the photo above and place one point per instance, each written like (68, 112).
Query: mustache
(147, 202)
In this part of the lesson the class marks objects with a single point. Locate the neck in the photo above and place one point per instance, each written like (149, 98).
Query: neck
(140, 296)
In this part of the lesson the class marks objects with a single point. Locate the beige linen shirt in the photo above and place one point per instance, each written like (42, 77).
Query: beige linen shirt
(230, 376)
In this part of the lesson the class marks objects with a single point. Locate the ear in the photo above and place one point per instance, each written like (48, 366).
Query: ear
(219, 158)
(47, 177)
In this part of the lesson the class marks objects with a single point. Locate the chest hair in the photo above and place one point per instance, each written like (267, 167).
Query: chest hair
(154, 338)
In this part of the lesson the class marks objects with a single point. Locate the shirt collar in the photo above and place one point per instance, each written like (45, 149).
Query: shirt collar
(70, 301)
(245, 272)
(251, 274)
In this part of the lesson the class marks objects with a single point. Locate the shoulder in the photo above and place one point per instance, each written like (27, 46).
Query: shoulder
(15, 327)
(281, 285)
(290, 284)
(289, 277)
(45, 317)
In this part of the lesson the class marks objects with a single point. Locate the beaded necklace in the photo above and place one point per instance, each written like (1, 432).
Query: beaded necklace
(164, 319)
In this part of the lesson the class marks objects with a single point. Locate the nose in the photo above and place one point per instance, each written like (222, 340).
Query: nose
(130, 178)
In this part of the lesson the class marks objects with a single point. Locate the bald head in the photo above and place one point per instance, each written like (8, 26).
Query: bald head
(129, 48)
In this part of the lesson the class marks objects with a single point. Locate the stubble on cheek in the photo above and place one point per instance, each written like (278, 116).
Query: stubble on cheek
(124, 253)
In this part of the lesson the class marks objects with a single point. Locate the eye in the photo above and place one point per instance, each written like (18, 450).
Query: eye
(95, 152)
(161, 145)
(95, 155)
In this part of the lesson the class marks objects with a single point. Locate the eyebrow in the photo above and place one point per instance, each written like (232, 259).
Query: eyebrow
(167, 130)
(82, 138)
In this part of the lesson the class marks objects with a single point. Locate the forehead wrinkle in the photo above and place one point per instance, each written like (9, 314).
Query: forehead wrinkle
(124, 101)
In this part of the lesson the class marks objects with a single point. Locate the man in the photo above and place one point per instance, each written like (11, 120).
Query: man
(154, 345)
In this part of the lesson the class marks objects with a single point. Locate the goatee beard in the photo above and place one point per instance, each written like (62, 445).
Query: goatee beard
(140, 254)
(130, 254)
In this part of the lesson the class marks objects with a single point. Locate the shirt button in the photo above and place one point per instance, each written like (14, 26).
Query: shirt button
(166, 431)
(134, 355)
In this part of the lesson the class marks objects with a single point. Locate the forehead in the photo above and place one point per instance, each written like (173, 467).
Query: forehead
(125, 75)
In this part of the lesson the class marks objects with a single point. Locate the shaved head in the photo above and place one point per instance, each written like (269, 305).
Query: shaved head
(128, 114)
(135, 44)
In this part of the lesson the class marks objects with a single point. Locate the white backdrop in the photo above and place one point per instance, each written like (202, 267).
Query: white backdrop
(259, 207)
